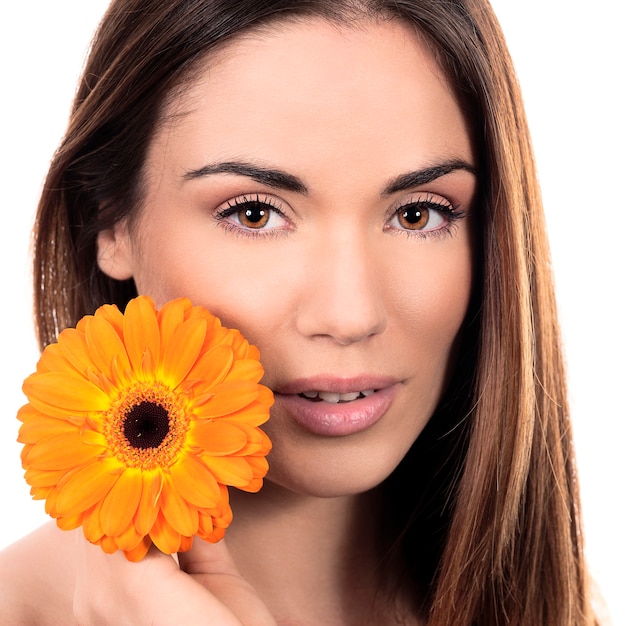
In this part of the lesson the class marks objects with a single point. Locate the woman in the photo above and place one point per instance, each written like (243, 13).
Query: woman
(351, 185)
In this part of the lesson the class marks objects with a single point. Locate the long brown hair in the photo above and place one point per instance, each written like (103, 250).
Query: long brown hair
(484, 510)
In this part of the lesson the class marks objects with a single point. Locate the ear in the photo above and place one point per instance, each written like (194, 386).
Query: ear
(114, 251)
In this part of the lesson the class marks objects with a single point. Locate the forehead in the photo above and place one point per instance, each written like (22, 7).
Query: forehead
(314, 87)
(299, 50)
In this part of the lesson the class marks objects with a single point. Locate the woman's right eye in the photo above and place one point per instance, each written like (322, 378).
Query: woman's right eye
(253, 213)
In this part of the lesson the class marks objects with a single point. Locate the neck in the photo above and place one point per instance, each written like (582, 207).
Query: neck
(324, 550)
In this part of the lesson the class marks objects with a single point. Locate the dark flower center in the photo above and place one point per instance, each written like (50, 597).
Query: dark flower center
(146, 425)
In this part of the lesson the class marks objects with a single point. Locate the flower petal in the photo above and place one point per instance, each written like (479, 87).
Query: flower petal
(169, 317)
(66, 391)
(257, 441)
(121, 502)
(216, 438)
(40, 427)
(213, 366)
(182, 517)
(69, 523)
(165, 538)
(182, 350)
(113, 316)
(63, 451)
(259, 467)
(195, 483)
(141, 333)
(73, 347)
(257, 412)
(85, 488)
(185, 544)
(233, 471)
(239, 344)
(92, 528)
(253, 486)
(53, 360)
(51, 500)
(43, 478)
(205, 526)
(128, 539)
(229, 397)
(108, 544)
(148, 507)
(106, 348)
(136, 554)
(246, 369)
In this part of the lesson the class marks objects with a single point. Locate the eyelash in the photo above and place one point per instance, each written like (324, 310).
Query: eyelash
(446, 209)
(236, 205)
(450, 212)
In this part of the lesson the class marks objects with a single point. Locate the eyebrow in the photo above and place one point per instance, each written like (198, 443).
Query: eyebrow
(425, 176)
(282, 180)
(267, 176)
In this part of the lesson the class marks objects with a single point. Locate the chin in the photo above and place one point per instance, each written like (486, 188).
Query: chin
(331, 477)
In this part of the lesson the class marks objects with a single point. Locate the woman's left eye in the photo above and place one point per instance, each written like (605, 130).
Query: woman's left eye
(423, 216)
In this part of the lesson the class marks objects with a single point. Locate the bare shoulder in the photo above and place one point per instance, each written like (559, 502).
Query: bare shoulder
(37, 578)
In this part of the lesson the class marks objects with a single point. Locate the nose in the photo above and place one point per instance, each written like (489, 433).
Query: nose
(343, 295)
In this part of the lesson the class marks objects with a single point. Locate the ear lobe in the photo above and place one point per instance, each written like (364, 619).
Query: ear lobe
(113, 254)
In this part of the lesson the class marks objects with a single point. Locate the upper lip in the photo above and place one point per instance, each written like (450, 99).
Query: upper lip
(334, 384)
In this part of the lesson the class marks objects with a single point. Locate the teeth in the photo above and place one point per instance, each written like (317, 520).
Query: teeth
(329, 396)
(309, 394)
(334, 398)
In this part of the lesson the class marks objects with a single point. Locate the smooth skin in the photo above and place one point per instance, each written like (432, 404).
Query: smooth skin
(313, 188)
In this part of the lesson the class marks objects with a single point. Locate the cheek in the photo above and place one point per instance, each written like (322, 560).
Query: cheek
(432, 299)
(434, 327)
(237, 286)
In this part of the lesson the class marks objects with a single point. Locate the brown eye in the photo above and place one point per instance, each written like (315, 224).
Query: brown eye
(253, 214)
(422, 216)
(414, 216)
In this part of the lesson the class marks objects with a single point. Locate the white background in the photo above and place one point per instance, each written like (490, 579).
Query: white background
(570, 59)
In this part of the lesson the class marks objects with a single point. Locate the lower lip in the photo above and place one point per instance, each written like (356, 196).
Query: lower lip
(340, 419)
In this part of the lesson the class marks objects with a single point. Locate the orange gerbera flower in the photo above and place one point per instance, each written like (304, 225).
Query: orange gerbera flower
(136, 424)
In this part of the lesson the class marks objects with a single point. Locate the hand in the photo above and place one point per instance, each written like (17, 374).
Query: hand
(205, 589)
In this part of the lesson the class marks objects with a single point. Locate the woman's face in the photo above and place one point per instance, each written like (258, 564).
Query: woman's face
(312, 188)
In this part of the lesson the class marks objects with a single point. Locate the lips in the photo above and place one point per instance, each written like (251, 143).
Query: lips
(334, 407)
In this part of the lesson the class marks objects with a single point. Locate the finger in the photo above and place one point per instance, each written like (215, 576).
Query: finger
(111, 590)
(212, 565)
